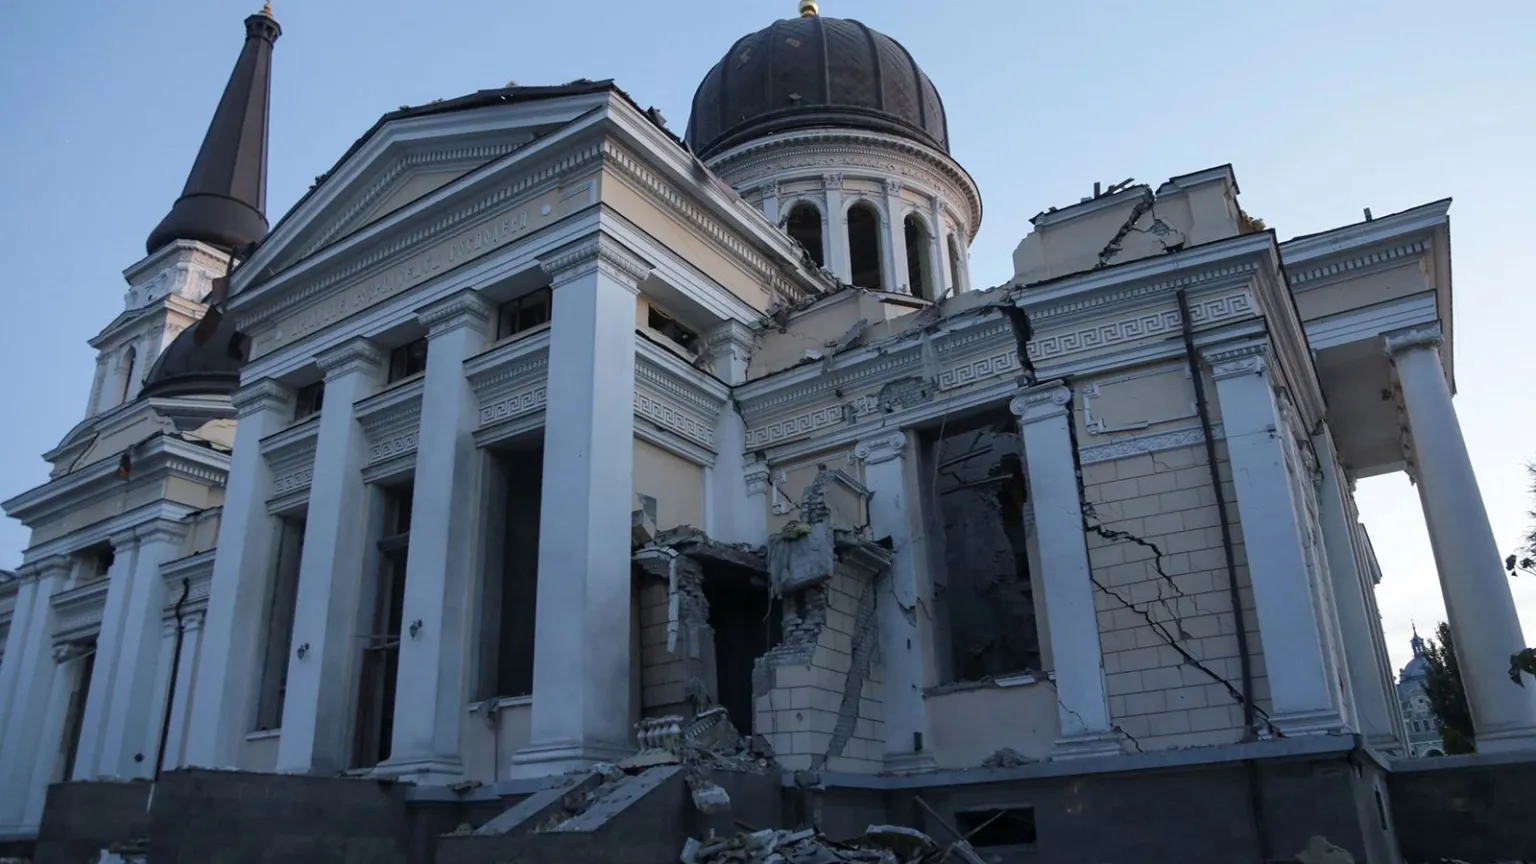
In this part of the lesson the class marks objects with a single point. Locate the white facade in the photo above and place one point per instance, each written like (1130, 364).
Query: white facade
(433, 573)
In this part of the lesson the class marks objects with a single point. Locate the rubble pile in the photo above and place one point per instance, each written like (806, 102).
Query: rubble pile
(880, 844)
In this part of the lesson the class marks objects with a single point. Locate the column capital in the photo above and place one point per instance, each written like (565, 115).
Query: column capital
(466, 308)
(770, 189)
(729, 345)
(1232, 362)
(43, 567)
(757, 474)
(597, 254)
(357, 355)
(1419, 336)
(832, 181)
(883, 448)
(893, 187)
(124, 539)
(1041, 402)
(265, 394)
(160, 530)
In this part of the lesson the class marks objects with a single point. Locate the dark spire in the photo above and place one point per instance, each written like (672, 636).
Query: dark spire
(225, 198)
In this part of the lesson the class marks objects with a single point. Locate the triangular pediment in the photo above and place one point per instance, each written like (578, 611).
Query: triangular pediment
(403, 159)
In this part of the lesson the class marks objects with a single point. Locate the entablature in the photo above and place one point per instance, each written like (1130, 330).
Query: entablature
(151, 461)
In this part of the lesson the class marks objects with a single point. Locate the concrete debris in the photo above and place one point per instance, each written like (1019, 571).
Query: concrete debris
(801, 556)
(880, 844)
(1006, 758)
(1320, 851)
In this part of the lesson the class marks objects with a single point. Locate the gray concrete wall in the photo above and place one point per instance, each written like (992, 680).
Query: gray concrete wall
(1472, 808)
(81, 819)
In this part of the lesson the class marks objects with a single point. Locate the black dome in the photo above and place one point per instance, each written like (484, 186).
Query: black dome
(814, 72)
(186, 368)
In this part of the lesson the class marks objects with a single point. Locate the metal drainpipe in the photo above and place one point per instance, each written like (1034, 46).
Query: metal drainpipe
(170, 690)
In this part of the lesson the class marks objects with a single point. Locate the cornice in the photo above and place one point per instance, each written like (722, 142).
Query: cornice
(1300, 252)
(104, 531)
(154, 459)
(78, 611)
(197, 569)
(299, 436)
(391, 421)
(816, 150)
(1305, 278)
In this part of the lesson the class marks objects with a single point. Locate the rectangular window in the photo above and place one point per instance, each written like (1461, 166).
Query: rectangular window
(96, 562)
(279, 630)
(977, 511)
(308, 400)
(407, 360)
(381, 641)
(510, 589)
(667, 326)
(524, 314)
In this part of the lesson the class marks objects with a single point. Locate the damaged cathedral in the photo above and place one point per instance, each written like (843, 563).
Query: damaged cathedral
(546, 486)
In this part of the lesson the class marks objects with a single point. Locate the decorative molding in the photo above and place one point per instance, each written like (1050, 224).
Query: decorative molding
(77, 612)
(1369, 260)
(830, 182)
(758, 475)
(265, 394)
(465, 309)
(882, 449)
(391, 420)
(1041, 402)
(1144, 444)
(161, 531)
(198, 571)
(769, 189)
(354, 355)
(892, 187)
(1421, 336)
(290, 455)
(1233, 362)
(509, 380)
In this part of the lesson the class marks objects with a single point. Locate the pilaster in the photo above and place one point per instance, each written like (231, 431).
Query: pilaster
(1044, 413)
(839, 263)
(64, 671)
(581, 675)
(905, 715)
(770, 193)
(192, 629)
(758, 478)
(125, 752)
(90, 761)
(943, 279)
(317, 708)
(221, 709)
(445, 529)
(1305, 698)
(1478, 601)
(896, 240)
(29, 667)
(730, 517)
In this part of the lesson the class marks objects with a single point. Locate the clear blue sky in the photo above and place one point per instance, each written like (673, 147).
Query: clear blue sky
(1322, 107)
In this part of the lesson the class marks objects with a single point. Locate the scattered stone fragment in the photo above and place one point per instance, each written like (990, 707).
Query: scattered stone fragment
(1320, 851)
(880, 844)
(1006, 758)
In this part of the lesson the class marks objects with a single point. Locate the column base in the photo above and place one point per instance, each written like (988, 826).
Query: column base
(1087, 746)
(1507, 740)
(423, 771)
(1326, 722)
(910, 763)
(542, 760)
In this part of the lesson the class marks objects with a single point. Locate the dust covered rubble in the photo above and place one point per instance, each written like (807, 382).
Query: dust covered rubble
(880, 844)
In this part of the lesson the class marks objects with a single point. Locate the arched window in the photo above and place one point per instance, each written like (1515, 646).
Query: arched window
(919, 258)
(954, 264)
(125, 370)
(804, 225)
(864, 246)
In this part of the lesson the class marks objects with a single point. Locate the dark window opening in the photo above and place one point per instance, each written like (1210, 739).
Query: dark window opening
(511, 587)
(919, 259)
(407, 360)
(864, 246)
(524, 314)
(97, 562)
(989, 829)
(667, 326)
(381, 644)
(977, 508)
(954, 265)
(804, 227)
(1381, 809)
(125, 380)
(279, 632)
(74, 722)
(308, 400)
(747, 623)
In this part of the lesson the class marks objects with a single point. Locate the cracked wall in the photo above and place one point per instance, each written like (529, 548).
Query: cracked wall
(1166, 624)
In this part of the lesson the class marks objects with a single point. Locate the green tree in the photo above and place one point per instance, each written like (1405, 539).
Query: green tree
(1523, 560)
(1447, 696)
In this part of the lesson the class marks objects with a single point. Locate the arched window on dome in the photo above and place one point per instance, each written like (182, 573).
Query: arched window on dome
(919, 258)
(864, 252)
(954, 265)
(804, 225)
(125, 370)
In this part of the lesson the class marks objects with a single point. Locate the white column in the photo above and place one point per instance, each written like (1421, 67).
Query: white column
(940, 253)
(758, 477)
(581, 687)
(99, 706)
(1374, 705)
(896, 241)
(1304, 698)
(16, 642)
(64, 672)
(31, 667)
(1044, 413)
(901, 656)
(839, 263)
(770, 191)
(445, 525)
(135, 701)
(186, 683)
(317, 707)
(729, 519)
(1477, 596)
(222, 711)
